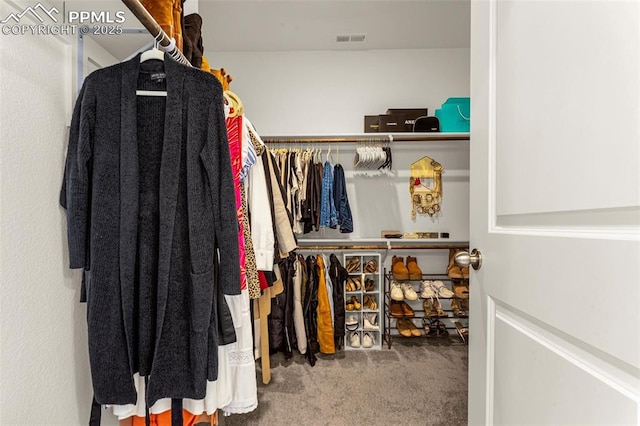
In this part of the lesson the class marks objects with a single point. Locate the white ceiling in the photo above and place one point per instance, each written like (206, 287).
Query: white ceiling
(268, 25)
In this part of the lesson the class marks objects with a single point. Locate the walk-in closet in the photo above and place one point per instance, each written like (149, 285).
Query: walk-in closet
(223, 212)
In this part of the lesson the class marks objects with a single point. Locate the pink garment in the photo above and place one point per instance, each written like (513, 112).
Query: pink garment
(234, 134)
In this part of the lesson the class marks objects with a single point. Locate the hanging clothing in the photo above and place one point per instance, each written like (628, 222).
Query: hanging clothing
(329, 284)
(281, 329)
(240, 353)
(310, 308)
(318, 201)
(164, 419)
(328, 217)
(234, 134)
(112, 172)
(218, 393)
(298, 313)
(286, 239)
(325, 324)
(338, 276)
(308, 217)
(343, 211)
(244, 387)
(253, 282)
(262, 233)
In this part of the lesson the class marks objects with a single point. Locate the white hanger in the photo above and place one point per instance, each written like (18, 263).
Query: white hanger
(153, 53)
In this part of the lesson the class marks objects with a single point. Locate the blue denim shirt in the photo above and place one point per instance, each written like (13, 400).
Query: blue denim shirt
(328, 217)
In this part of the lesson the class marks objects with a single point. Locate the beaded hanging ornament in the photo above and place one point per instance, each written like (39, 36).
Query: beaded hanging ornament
(425, 187)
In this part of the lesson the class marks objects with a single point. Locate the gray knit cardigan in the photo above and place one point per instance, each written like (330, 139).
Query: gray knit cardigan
(196, 219)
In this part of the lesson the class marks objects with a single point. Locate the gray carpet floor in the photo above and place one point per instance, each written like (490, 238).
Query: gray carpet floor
(416, 382)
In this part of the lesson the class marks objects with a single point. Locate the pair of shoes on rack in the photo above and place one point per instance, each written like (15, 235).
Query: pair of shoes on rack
(461, 290)
(370, 303)
(433, 309)
(401, 309)
(367, 340)
(353, 284)
(438, 289)
(426, 291)
(434, 328)
(463, 331)
(408, 271)
(371, 267)
(369, 284)
(453, 270)
(351, 322)
(353, 304)
(407, 328)
(401, 291)
(353, 264)
(370, 321)
(460, 308)
(354, 339)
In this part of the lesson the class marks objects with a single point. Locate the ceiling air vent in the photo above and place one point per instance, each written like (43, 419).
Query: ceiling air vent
(350, 38)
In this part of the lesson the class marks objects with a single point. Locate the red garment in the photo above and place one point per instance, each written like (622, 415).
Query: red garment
(263, 281)
(234, 134)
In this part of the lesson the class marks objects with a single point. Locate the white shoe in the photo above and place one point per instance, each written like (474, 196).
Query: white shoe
(441, 290)
(354, 340)
(426, 292)
(370, 322)
(396, 291)
(408, 291)
(367, 341)
(351, 322)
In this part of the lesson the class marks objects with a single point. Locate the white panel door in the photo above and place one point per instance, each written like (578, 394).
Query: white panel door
(555, 210)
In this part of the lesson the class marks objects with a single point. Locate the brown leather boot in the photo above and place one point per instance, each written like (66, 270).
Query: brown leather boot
(415, 273)
(399, 271)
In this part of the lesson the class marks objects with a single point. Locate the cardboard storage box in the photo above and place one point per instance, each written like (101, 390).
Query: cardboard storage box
(371, 123)
(391, 123)
(410, 115)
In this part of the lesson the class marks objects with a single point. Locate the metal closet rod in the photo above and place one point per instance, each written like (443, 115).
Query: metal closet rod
(384, 247)
(409, 137)
(149, 22)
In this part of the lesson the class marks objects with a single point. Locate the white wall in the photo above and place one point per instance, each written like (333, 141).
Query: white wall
(330, 91)
(43, 357)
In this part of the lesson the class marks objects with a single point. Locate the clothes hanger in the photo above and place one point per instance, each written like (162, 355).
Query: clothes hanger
(154, 52)
(237, 102)
(157, 54)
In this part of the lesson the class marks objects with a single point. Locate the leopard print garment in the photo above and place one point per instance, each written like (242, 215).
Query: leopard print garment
(253, 282)
(256, 144)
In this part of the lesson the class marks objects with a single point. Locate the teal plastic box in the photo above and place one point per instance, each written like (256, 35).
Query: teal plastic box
(455, 115)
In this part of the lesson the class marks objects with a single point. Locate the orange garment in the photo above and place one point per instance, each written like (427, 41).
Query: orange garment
(325, 324)
(205, 64)
(224, 78)
(164, 419)
(167, 14)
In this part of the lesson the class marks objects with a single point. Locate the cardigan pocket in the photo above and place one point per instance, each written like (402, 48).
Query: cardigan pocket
(202, 286)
